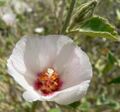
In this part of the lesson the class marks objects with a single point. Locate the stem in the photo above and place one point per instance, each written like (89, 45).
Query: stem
(68, 16)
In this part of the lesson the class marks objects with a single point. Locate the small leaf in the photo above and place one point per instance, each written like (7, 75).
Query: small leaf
(112, 59)
(96, 27)
(75, 104)
(110, 65)
(54, 110)
(115, 81)
(108, 68)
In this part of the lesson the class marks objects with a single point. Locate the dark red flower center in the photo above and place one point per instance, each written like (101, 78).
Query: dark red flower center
(48, 81)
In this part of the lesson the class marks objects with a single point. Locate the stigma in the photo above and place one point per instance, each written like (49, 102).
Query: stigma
(48, 81)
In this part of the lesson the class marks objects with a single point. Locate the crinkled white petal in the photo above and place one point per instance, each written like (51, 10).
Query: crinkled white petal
(32, 95)
(19, 78)
(73, 66)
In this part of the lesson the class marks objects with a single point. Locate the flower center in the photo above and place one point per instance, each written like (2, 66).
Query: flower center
(48, 81)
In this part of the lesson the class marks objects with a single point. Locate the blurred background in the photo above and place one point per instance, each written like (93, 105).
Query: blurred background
(43, 17)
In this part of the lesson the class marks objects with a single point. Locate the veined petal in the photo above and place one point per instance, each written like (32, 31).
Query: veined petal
(73, 66)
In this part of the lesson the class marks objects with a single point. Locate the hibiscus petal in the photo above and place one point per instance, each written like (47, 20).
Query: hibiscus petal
(69, 95)
(17, 76)
(35, 54)
(73, 66)
(32, 95)
(72, 94)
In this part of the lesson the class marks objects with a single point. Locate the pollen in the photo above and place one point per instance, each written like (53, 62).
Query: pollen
(48, 81)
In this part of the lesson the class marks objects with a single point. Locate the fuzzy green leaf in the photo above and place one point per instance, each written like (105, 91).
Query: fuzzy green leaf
(97, 27)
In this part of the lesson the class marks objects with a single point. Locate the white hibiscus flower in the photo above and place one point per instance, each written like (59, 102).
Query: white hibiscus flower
(50, 68)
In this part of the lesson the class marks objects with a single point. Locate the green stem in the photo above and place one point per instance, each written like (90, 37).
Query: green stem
(68, 17)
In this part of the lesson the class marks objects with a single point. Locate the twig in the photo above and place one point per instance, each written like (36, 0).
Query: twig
(68, 17)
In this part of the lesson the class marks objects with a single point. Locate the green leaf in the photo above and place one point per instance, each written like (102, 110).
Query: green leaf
(115, 81)
(112, 59)
(75, 104)
(110, 65)
(54, 110)
(96, 27)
